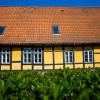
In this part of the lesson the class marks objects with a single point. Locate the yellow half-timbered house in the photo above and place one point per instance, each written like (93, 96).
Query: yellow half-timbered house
(46, 38)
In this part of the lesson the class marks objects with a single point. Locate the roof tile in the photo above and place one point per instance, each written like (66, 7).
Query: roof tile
(34, 25)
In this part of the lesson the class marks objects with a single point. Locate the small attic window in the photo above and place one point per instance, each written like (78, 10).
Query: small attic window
(2, 30)
(56, 30)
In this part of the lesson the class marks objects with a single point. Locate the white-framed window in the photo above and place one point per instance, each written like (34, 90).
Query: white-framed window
(5, 56)
(55, 30)
(68, 56)
(27, 55)
(88, 56)
(38, 56)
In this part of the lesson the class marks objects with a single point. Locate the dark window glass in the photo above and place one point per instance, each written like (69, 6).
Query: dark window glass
(39, 50)
(36, 60)
(8, 61)
(29, 56)
(35, 56)
(29, 60)
(40, 56)
(55, 30)
(40, 60)
(66, 56)
(86, 59)
(1, 29)
(3, 60)
(25, 60)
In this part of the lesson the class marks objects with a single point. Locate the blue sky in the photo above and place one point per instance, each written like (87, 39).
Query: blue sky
(50, 3)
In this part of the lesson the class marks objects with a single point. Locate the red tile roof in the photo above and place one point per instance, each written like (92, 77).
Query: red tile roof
(31, 25)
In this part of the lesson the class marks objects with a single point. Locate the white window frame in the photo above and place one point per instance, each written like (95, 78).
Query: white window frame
(88, 52)
(68, 56)
(27, 53)
(6, 52)
(38, 53)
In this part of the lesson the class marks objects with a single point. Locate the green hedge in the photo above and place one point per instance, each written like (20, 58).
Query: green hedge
(68, 84)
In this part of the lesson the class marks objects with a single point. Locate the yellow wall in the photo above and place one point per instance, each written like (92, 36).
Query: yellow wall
(58, 55)
(96, 49)
(78, 65)
(38, 67)
(48, 58)
(16, 66)
(16, 57)
(88, 65)
(97, 65)
(27, 67)
(78, 55)
(58, 66)
(48, 67)
(16, 54)
(5, 67)
(68, 65)
(97, 56)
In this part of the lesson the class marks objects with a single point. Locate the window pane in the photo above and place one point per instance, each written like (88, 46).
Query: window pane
(86, 56)
(29, 50)
(90, 52)
(24, 56)
(40, 60)
(39, 56)
(35, 50)
(86, 53)
(91, 60)
(1, 29)
(86, 60)
(3, 61)
(90, 56)
(25, 60)
(3, 56)
(29, 56)
(35, 60)
(8, 60)
(40, 50)
(25, 49)
(8, 56)
(66, 57)
(71, 57)
(29, 60)
(35, 56)
(55, 29)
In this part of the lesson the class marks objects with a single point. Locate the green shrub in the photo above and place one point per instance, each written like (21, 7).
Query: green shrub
(67, 84)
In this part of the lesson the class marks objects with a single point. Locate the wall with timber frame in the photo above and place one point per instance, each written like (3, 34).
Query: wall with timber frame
(53, 58)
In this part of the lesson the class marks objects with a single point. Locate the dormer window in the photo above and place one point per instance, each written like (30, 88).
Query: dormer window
(2, 30)
(56, 30)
